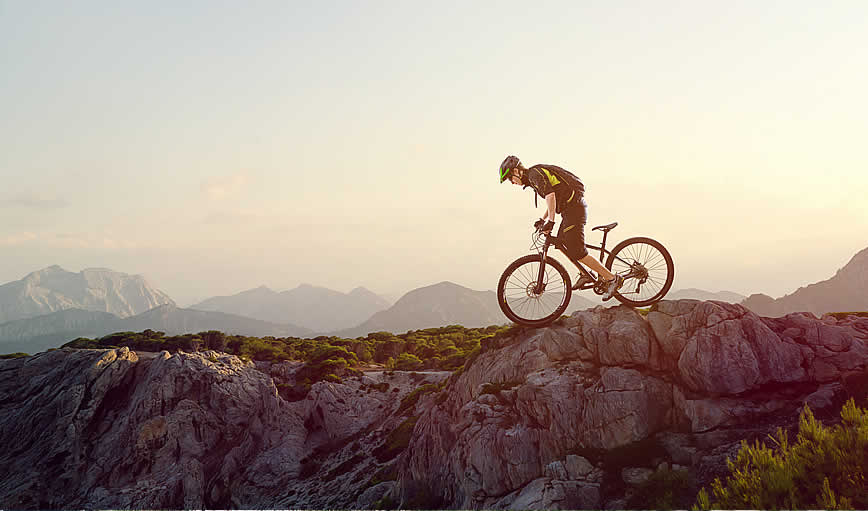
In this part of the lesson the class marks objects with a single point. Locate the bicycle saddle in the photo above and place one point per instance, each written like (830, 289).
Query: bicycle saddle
(605, 228)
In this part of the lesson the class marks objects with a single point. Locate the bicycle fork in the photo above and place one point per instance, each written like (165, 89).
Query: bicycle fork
(540, 280)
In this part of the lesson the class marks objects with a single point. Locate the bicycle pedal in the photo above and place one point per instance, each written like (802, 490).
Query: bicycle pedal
(583, 279)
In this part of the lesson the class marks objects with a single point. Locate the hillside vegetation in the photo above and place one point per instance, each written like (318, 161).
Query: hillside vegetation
(824, 469)
(444, 348)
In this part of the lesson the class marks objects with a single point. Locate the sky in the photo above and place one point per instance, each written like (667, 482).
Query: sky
(217, 146)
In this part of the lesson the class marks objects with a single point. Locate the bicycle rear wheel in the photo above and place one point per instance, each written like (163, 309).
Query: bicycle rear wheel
(517, 296)
(647, 269)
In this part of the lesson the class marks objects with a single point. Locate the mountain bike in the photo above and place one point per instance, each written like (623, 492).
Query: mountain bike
(535, 290)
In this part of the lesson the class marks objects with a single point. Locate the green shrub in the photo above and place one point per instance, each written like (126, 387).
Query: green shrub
(387, 473)
(397, 441)
(444, 348)
(826, 468)
(379, 387)
(344, 467)
(14, 355)
(843, 315)
(332, 378)
(410, 400)
(408, 362)
(496, 388)
(385, 503)
(214, 340)
(660, 491)
(82, 343)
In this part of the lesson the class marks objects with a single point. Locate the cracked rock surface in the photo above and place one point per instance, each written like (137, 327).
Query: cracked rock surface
(575, 415)
(606, 381)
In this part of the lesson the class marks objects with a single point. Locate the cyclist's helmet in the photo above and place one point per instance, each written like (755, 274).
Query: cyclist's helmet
(508, 165)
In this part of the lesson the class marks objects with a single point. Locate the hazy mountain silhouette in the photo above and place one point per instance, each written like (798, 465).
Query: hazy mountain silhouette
(846, 291)
(38, 334)
(95, 289)
(432, 306)
(442, 304)
(700, 294)
(316, 308)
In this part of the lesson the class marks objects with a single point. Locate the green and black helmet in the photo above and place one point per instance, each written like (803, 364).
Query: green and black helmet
(508, 165)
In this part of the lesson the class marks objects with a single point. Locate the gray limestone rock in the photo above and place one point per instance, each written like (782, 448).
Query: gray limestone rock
(527, 423)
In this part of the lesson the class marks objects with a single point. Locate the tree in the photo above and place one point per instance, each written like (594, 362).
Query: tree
(408, 362)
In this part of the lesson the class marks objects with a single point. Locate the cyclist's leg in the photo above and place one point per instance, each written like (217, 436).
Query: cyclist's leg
(573, 232)
(597, 266)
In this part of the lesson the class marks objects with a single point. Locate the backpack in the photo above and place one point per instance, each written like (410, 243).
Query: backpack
(563, 175)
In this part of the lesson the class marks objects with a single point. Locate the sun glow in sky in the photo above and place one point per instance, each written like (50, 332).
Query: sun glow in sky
(215, 147)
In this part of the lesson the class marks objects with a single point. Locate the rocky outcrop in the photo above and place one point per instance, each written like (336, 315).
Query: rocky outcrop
(576, 415)
(120, 429)
(608, 379)
(95, 289)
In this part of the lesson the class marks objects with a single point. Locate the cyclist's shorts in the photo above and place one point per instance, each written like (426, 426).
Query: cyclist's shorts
(572, 230)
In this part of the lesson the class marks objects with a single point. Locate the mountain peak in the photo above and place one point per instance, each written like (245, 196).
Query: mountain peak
(49, 270)
(860, 260)
(445, 285)
(100, 270)
(95, 289)
(843, 292)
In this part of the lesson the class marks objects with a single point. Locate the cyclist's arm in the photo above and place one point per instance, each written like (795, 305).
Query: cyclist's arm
(551, 207)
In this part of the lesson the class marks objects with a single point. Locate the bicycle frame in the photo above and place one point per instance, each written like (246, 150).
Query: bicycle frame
(553, 240)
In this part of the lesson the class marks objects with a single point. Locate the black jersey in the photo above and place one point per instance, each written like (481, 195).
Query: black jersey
(545, 179)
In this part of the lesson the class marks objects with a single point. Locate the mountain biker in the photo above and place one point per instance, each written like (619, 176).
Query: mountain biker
(564, 193)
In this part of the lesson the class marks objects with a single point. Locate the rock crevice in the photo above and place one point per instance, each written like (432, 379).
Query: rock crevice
(569, 416)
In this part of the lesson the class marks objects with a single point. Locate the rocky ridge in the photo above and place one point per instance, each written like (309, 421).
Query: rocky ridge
(314, 308)
(437, 305)
(844, 292)
(575, 415)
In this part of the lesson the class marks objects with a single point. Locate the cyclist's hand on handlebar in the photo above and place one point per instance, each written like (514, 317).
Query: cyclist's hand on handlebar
(547, 227)
(538, 224)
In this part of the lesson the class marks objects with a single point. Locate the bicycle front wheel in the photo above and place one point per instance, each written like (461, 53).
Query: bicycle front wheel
(523, 302)
(647, 269)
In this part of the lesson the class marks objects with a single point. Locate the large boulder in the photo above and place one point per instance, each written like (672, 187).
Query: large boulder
(137, 433)
(722, 348)
(609, 378)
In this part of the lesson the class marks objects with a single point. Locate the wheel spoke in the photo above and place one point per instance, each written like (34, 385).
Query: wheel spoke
(518, 291)
(657, 267)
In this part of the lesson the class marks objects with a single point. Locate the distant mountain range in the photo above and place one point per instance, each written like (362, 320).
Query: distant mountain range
(52, 306)
(846, 291)
(96, 289)
(37, 334)
(432, 306)
(699, 294)
(316, 308)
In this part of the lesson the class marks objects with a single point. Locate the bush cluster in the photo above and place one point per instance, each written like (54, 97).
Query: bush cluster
(444, 348)
(326, 358)
(824, 469)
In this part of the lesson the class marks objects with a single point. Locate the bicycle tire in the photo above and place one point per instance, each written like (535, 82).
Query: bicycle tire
(516, 299)
(654, 258)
